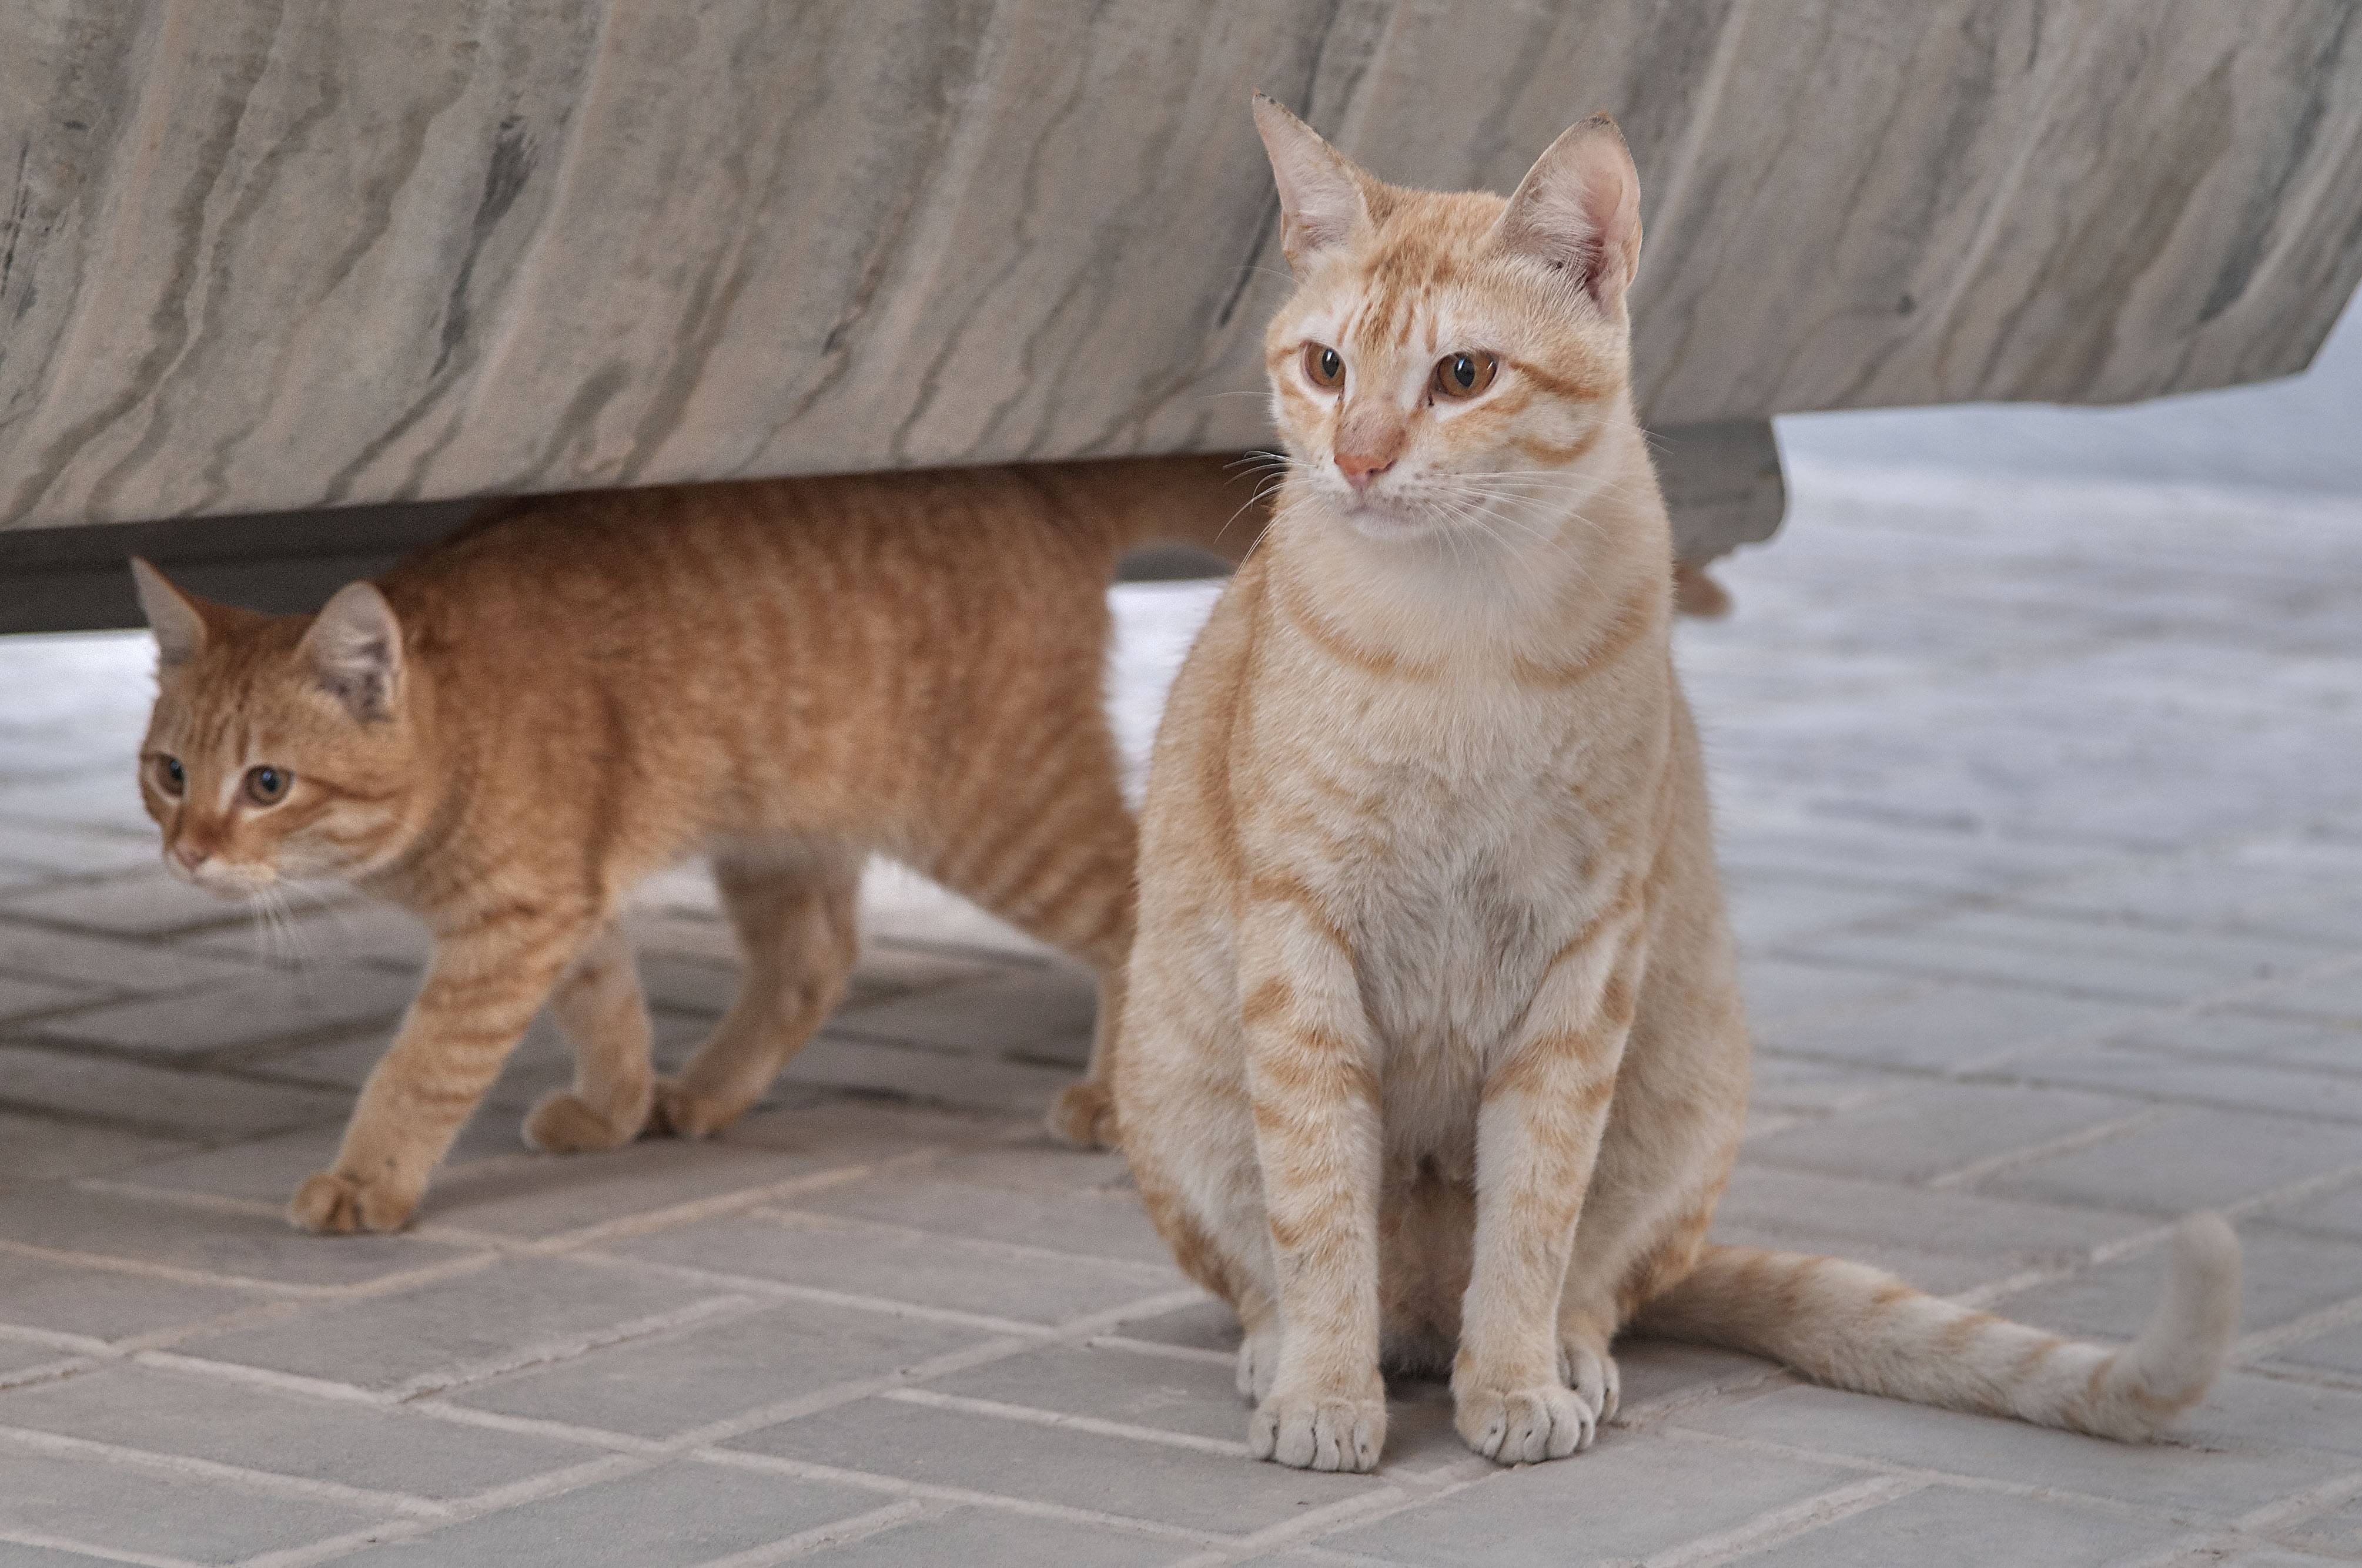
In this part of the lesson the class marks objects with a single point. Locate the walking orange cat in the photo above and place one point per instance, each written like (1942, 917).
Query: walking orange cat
(510, 730)
(1433, 1053)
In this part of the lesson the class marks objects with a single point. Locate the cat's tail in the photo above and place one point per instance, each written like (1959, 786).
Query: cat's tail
(1855, 1327)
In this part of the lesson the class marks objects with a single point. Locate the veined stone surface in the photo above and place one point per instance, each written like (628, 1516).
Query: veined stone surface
(257, 256)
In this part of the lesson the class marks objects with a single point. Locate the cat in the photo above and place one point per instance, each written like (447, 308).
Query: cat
(513, 727)
(1433, 1054)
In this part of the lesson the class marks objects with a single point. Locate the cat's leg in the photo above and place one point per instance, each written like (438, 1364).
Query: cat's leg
(795, 915)
(604, 1014)
(486, 980)
(1314, 1096)
(1543, 1115)
(1058, 863)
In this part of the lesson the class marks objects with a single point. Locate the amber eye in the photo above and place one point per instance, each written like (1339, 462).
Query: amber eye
(171, 776)
(1324, 365)
(1464, 375)
(265, 786)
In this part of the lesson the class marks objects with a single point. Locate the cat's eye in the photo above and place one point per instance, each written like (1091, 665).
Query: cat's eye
(1464, 375)
(266, 785)
(171, 776)
(1324, 365)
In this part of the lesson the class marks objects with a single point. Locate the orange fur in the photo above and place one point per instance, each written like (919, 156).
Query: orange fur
(1433, 1049)
(510, 730)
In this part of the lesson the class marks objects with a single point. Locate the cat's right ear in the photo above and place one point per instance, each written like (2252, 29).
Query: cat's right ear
(354, 647)
(1321, 200)
(172, 615)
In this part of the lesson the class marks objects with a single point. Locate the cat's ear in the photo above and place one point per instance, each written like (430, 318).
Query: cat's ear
(1578, 209)
(354, 648)
(172, 615)
(1321, 200)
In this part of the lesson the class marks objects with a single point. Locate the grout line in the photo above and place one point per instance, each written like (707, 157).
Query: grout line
(262, 1377)
(167, 1271)
(1021, 1252)
(1312, 1522)
(844, 1532)
(386, 1533)
(49, 1371)
(934, 1401)
(54, 1339)
(436, 1409)
(2298, 1506)
(1778, 1525)
(892, 1486)
(43, 1541)
(569, 1348)
(182, 1467)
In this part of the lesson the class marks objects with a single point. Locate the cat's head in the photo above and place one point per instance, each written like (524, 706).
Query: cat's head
(1448, 362)
(280, 746)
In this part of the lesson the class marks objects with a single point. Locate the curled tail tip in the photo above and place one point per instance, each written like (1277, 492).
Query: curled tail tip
(2188, 1340)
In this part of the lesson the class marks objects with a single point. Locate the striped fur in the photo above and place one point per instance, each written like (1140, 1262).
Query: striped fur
(1433, 1053)
(513, 728)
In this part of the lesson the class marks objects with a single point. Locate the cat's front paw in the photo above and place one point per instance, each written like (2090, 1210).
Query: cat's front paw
(1258, 1365)
(677, 1113)
(1318, 1429)
(563, 1123)
(332, 1204)
(1591, 1372)
(1523, 1425)
(1082, 1116)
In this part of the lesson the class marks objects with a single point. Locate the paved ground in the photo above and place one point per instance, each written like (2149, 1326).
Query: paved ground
(2043, 818)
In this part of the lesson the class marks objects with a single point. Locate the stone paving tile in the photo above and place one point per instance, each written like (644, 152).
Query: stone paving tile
(2285, 1277)
(149, 902)
(111, 964)
(161, 1411)
(2245, 1411)
(21, 997)
(930, 1076)
(667, 1384)
(2131, 962)
(263, 1006)
(361, 931)
(1151, 1481)
(19, 1357)
(510, 1313)
(1941, 1026)
(1112, 1384)
(2338, 1350)
(105, 1303)
(953, 1272)
(2240, 1036)
(257, 1246)
(1046, 1017)
(73, 852)
(2336, 1212)
(267, 1168)
(1633, 1496)
(1792, 995)
(1926, 1129)
(980, 1536)
(2252, 1086)
(2206, 1158)
(1824, 1213)
(1109, 1224)
(1942, 1526)
(158, 1101)
(36, 1148)
(112, 1508)
(1766, 911)
(671, 1517)
(2217, 1483)
(2338, 1000)
(15, 1555)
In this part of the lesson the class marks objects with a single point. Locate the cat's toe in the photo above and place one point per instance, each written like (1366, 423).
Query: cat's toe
(563, 1124)
(1592, 1373)
(331, 1204)
(1525, 1426)
(1318, 1430)
(677, 1113)
(1082, 1116)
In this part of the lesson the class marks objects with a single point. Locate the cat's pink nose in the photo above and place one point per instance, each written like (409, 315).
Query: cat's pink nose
(1361, 468)
(189, 856)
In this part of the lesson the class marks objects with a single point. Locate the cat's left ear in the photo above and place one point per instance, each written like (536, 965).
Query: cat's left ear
(1578, 209)
(354, 647)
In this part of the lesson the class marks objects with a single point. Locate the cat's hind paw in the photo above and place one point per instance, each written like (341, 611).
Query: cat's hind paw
(1318, 1430)
(564, 1123)
(1082, 1116)
(1523, 1425)
(332, 1204)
